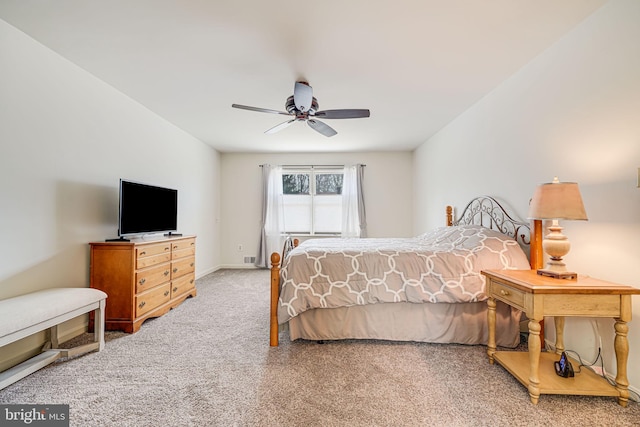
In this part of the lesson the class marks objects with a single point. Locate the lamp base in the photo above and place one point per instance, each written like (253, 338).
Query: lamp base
(567, 275)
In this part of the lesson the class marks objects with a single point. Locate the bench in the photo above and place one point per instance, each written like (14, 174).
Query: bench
(25, 315)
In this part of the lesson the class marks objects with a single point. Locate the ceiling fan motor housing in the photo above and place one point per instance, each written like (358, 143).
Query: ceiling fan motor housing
(290, 106)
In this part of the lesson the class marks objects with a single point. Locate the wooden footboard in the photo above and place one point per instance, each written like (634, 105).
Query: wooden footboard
(276, 259)
(275, 290)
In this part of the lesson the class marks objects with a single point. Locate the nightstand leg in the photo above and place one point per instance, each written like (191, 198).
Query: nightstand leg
(491, 324)
(534, 360)
(621, 345)
(559, 322)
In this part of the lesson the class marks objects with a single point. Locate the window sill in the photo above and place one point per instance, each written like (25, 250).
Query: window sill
(312, 235)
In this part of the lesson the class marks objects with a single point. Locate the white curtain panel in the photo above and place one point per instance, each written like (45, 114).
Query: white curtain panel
(274, 221)
(262, 258)
(362, 212)
(350, 217)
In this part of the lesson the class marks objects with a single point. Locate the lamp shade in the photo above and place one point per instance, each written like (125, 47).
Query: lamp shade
(557, 200)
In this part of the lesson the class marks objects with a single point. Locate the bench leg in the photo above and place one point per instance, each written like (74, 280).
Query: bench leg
(53, 336)
(98, 325)
(98, 335)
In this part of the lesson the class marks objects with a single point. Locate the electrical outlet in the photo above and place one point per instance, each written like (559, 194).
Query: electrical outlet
(240, 248)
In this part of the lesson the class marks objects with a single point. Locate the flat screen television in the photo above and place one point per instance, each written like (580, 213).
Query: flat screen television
(146, 209)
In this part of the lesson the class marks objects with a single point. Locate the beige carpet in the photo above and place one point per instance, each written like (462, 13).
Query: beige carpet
(208, 363)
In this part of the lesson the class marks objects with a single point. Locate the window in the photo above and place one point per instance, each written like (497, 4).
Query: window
(312, 200)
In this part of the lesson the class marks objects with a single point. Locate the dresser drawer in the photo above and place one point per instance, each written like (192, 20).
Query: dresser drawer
(150, 250)
(152, 277)
(183, 244)
(153, 298)
(183, 253)
(182, 267)
(511, 296)
(152, 260)
(183, 284)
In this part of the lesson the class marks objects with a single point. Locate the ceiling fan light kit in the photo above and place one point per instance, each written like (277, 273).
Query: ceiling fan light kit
(303, 106)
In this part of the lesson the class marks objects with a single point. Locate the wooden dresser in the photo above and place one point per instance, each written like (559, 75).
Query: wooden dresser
(143, 278)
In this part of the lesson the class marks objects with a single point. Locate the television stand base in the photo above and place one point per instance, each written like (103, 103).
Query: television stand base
(170, 234)
(119, 239)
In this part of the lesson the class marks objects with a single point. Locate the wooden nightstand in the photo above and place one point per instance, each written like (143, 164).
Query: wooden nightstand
(540, 296)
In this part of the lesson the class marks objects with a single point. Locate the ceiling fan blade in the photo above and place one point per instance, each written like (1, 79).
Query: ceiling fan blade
(343, 114)
(303, 96)
(324, 129)
(279, 127)
(260, 110)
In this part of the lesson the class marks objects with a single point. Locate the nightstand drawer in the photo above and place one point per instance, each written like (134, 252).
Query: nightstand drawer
(511, 296)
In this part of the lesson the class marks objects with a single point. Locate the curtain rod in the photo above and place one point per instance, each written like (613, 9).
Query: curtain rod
(315, 166)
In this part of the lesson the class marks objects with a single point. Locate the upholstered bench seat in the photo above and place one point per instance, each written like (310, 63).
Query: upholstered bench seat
(28, 314)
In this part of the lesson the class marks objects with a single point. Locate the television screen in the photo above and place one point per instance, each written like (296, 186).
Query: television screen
(146, 209)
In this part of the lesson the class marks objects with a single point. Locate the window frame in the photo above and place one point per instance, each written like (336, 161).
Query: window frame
(312, 171)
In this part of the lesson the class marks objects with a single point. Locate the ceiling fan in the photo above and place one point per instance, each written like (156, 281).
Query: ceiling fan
(302, 106)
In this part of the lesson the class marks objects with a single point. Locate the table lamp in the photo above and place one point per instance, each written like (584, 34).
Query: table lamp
(557, 200)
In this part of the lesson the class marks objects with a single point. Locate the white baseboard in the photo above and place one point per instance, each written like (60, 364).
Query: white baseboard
(239, 266)
(226, 266)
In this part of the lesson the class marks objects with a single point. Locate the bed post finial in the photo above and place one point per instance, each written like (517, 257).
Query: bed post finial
(536, 259)
(449, 216)
(275, 290)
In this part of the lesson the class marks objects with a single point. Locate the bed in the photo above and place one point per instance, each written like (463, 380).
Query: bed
(427, 288)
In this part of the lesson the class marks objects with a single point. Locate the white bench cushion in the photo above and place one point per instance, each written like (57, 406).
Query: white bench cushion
(23, 311)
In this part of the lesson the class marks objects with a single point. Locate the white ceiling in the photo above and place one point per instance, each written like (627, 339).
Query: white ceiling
(416, 64)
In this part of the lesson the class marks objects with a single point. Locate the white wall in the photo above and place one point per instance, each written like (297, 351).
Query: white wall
(65, 140)
(388, 195)
(572, 112)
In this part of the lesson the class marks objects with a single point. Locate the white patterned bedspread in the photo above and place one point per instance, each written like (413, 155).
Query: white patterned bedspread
(440, 266)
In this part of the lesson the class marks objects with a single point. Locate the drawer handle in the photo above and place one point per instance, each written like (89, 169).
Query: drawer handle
(166, 272)
(191, 281)
(191, 265)
(175, 289)
(166, 293)
(175, 270)
(193, 243)
(504, 293)
(142, 281)
(167, 248)
(142, 304)
(143, 253)
(175, 247)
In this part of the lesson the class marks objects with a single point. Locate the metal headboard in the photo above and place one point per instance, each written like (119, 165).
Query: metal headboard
(289, 245)
(487, 212)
